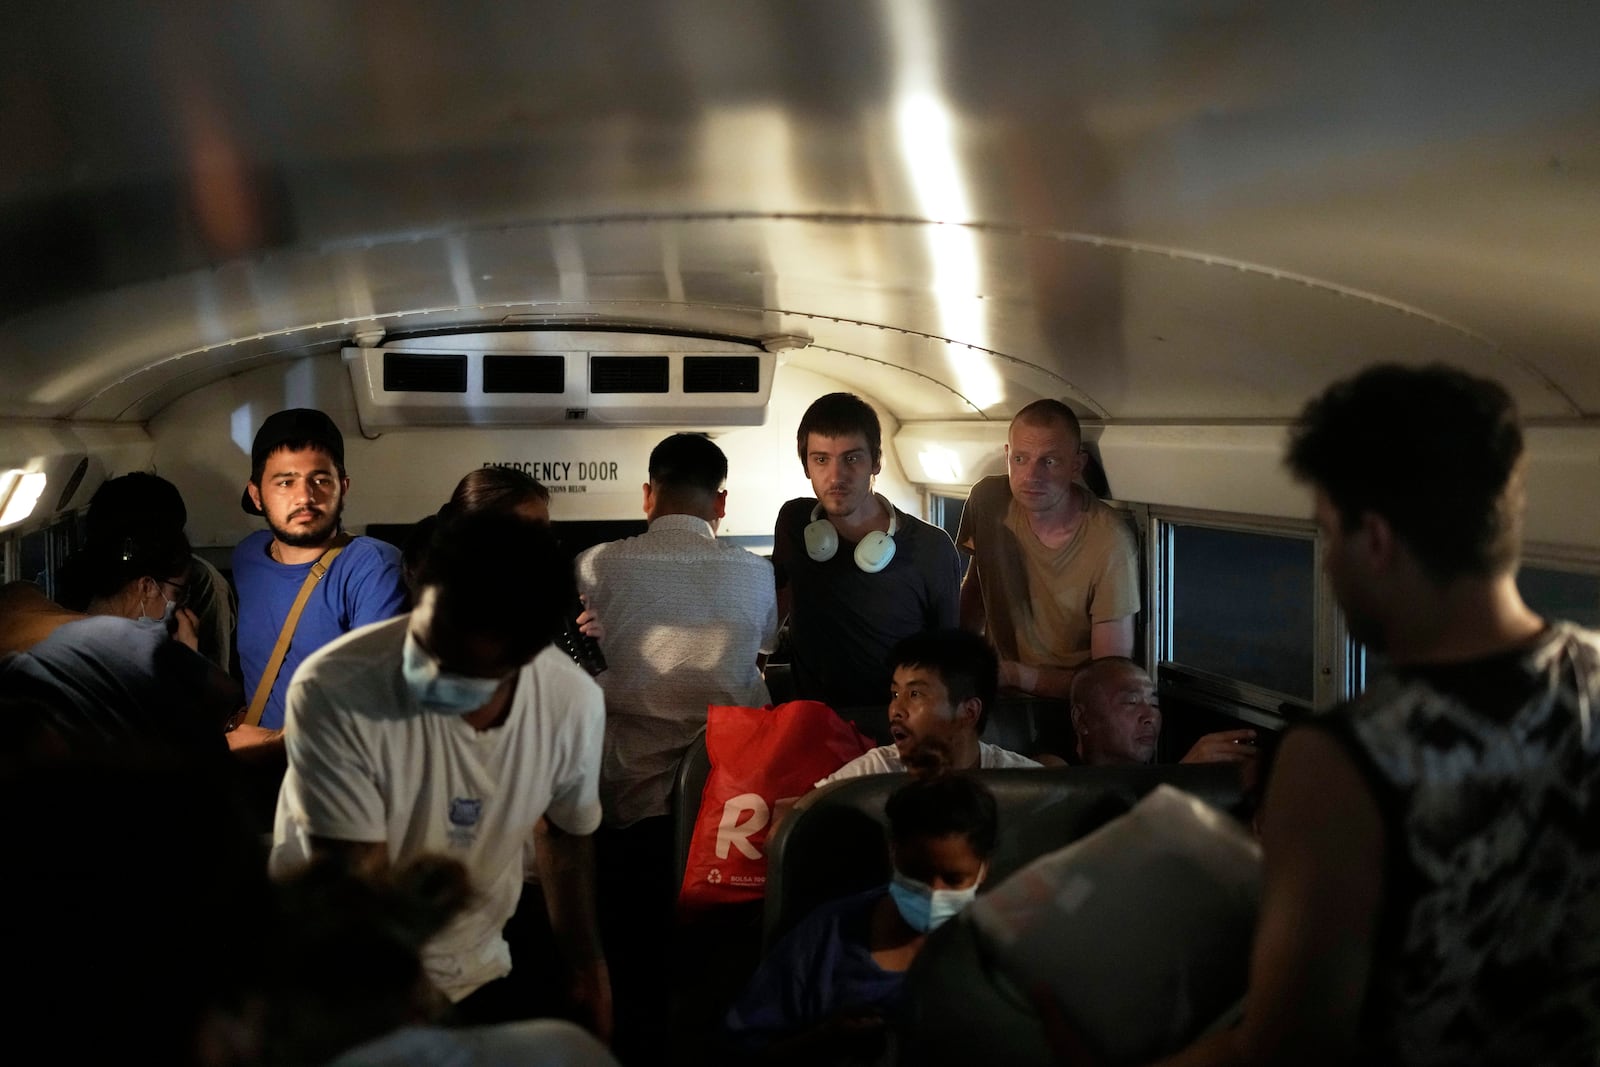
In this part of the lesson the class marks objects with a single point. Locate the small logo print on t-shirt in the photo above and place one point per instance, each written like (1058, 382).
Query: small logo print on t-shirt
(465, 811)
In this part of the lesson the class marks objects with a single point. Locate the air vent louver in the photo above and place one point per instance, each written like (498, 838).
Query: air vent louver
(73, 481)
(576, 378)
(407, 373)
(721, 374)
(628, 374)
(524, 374)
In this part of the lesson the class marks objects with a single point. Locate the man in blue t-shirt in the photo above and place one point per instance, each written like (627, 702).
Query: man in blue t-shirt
(298, 482)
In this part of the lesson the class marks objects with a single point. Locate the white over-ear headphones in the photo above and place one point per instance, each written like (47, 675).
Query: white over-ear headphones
(871, 555)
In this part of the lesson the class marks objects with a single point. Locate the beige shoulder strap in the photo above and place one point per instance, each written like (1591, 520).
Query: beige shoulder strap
(258, 701)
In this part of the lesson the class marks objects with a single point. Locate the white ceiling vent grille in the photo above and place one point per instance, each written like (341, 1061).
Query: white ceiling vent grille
(537, 377)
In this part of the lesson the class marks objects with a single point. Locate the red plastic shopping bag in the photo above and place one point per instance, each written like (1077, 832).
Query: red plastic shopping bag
(758, 756)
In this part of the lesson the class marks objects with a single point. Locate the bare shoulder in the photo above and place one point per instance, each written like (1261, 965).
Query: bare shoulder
(1318, 799)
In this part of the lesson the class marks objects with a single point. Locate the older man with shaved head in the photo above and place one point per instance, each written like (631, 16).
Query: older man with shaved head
(1116, 719)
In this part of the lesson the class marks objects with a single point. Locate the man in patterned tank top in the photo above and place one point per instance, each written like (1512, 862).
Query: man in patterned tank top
(1432, 849)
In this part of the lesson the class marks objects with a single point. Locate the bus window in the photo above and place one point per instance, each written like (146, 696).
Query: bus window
(945, 513)
(33, 557)
(1240, 605)
(1558, 594)
(1554, 593)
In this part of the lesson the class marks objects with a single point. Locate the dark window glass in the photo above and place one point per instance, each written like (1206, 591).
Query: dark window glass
(1372, 665)
(1552, 593)
(947, 512)
(1561, 594)
(1242, 607)
(947, 516)
(33, 558)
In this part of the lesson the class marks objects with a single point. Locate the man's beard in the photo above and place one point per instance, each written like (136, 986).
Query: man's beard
(309, 536)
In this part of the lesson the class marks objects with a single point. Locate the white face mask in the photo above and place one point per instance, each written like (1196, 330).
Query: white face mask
(438, 691)
(168, 610)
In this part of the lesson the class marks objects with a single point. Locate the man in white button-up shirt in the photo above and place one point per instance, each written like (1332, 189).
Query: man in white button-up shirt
(687, 618)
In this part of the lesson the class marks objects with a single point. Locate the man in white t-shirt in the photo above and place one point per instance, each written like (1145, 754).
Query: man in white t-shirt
(944, 685)
(452, 730)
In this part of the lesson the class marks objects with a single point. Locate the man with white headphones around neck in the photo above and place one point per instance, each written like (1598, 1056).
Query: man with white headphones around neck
(855, 574)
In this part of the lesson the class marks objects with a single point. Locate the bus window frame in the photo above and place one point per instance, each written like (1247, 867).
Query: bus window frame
(1332, 656)
(63, 535)
(1563, 558)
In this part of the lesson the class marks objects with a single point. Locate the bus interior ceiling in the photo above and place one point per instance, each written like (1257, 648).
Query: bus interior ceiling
(1183, 219)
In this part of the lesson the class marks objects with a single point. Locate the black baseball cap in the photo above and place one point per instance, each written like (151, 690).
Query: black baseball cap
(292, 426)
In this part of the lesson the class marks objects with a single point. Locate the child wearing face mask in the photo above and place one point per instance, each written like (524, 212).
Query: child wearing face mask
(822, 994)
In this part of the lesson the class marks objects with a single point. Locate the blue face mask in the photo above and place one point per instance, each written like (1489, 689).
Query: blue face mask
(438, 691)
(925, 908)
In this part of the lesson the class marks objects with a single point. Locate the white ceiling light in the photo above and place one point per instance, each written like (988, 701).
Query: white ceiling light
(940, 466)
(19, 491)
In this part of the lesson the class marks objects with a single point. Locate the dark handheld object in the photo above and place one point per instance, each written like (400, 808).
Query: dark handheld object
(584, 650)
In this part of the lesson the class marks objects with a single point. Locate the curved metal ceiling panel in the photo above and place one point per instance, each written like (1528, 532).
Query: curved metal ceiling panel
(1157, 209)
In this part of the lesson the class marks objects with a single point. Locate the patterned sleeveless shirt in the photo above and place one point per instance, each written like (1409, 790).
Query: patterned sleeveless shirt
(1488, 777)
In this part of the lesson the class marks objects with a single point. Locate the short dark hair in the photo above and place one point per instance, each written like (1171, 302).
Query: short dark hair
(415, 550)
(137, 496)
(349, 952)
(941, 804)
(1043, 412)
(838, 415)
(133, 529)
(496, 573)
(967, 664)
(293, 430)
(108, 562)
(495, 489)
(1434, 450)
(688, 461)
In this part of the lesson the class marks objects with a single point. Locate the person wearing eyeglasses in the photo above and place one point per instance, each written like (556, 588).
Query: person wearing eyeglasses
(134, 504)
(127, 672)
(143, 577)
